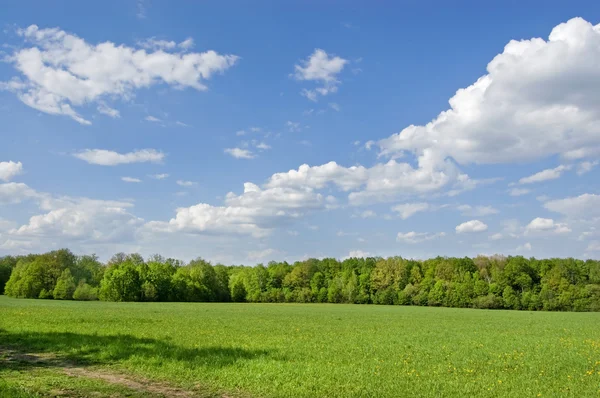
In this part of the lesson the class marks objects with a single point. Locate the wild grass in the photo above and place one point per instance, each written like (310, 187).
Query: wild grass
(305, 350)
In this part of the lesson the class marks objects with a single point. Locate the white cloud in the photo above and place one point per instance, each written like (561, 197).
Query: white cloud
(518, 191)
(15, 244)
(471, 226)
(524, 247)
(323, 69)
(531, 104)
(240, 153)
(594, 246)
(586, 167)
(6, 224)
(262, 146)
(141, 9)
(185, 183)
(104, 157)
(540, 224)
(583, 206)
(545, 175)
(418, 237)
(10, 169)
(380, 183)
(152, 119)
(357, 254)
(407, 210)
(181, 124)
(13, 193)
(546, 224)
(293, 127)
(61, 71)
(477, 211)
(130, 179)
(336, 107)
(255, 212)
(108, 111)
(368, 214)
(186, 44)
(259, 254)
(159, 176)
(81, 219)
(496, 236)
(155, 44)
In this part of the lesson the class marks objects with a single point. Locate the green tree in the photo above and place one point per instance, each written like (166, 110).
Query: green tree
(65, 286)
(85, 292)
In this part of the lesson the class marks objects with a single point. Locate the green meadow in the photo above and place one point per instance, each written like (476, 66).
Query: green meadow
(81, 349)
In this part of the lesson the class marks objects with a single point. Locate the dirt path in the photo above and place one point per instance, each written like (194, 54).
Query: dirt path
(141, 385)
(10, 356)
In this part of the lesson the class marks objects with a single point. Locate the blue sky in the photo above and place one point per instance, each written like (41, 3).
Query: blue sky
(210, 129)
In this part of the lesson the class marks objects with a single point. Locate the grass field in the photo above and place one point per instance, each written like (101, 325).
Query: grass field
(52, 348)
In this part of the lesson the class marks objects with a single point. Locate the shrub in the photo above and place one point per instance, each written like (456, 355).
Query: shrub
(85, 292)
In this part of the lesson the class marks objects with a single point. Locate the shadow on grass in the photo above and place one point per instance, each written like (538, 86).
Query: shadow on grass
(73, 349)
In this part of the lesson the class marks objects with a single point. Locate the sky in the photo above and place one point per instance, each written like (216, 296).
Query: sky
(244, 132)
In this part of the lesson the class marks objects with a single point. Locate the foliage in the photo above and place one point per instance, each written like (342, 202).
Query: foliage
(65, 286)
(493, 282)
(85, 292)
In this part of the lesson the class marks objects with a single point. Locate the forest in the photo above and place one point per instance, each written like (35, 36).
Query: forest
(486, 282)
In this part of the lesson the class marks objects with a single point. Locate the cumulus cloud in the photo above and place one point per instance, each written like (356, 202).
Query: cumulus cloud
(407, 210)
(545, 175)
(477, 211)
(418, 237)
(157, 44)
(380, 183)
(496, 236)
(518, 191)
(262, 146)
(594, 246)
(10, 169)
(240, 153)
(524, 247)
(13, 193)
(255, 212)
(130, 179)
(471, 226)
(184, 183)
(108, 111)
(546, 224)
(357, 254)
(259, 254)
(152, 119)
(323, 69)
(368, 214)
(293, 127)
(586, 167)
(60, 71)
(583, 206)
(81, 219)
(159, 176)
(104, 157)
(538, 99)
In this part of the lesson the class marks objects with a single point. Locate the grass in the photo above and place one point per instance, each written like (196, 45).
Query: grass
(295, 350)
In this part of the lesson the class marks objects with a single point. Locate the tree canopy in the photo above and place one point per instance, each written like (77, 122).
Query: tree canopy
(492, 282)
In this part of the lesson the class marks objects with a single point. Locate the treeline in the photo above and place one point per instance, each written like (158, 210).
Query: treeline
(483, 282)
